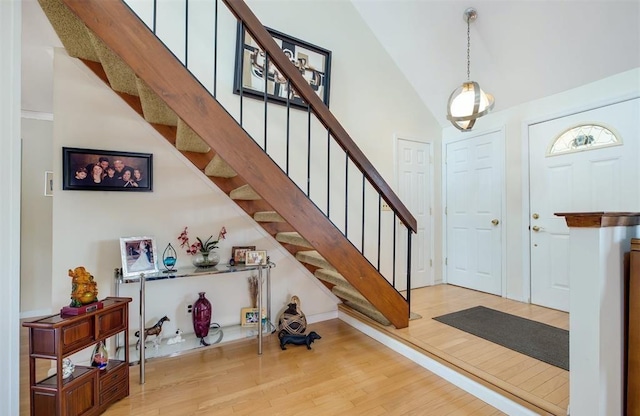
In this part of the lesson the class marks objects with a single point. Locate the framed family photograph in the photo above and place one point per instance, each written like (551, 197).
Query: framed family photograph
(139, 255)
(239, 253)
(251, 77)
(106, 170)
(256, 258)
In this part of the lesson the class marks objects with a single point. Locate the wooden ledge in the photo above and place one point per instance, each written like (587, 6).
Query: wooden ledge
(600, 219)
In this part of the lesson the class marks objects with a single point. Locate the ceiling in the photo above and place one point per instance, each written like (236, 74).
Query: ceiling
(521, 50)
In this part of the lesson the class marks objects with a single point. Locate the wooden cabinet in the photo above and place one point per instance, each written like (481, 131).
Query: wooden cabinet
(88, 391)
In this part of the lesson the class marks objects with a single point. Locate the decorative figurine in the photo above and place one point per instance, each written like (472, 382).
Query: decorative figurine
(169, 259)
(292, 320)
(67, 368)
(177, 339)
(154, 330)
(100, 356)
(307, 340)
(84, 290)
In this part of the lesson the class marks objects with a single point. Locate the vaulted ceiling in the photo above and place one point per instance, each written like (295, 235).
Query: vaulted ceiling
(520, 50)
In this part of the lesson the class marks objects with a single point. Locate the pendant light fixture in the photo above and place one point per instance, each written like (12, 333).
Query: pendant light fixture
(468, 102)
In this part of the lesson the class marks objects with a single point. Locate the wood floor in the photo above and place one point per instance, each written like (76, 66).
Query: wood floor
(347, 372)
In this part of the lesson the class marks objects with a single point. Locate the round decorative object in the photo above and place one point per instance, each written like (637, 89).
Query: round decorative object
(292, 319)
(202, 317)
(67, 368)
(206, 259)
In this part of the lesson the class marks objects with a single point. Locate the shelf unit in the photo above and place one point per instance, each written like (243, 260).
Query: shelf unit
(633, 337)
(216, 335)
(88, 391)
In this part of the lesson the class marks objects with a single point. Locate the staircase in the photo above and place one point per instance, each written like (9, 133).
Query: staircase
(110, 39)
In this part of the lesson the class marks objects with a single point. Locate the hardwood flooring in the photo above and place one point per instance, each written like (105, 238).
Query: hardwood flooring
(346, 372)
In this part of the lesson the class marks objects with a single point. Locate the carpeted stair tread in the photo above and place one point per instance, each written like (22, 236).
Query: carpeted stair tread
(121, 77)
(292, 237)
(267, 216)
(370, 312)
(355, 300)
(331, 276)
(244, 193)
(71, 31)
(219, 168)
(155, 110)
(188, 140)
(313, 258)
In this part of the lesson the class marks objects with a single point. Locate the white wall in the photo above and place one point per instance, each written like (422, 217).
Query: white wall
(10, 28)
(35, 228)
(514, 121)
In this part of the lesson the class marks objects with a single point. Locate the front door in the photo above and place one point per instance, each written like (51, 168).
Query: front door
(591, 169)
(474, 187)
(415, 187)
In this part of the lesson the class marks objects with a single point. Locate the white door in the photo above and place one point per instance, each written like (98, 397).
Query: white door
(582, 178)
(474, 187)
(415, 189)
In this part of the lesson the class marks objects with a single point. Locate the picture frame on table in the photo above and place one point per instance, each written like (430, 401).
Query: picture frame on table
(313, 62)
(139, 255)
(250, 317)
(106, 170)
(238, 253)
(256, 258)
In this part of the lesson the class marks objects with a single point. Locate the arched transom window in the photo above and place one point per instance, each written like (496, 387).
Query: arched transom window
(583, 137)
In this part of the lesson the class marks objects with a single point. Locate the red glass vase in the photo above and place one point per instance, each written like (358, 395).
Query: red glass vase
(201, 317)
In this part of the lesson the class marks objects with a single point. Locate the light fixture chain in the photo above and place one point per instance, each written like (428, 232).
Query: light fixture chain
(468, 50)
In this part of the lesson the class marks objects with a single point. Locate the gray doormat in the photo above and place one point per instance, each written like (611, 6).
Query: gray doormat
(537, 340)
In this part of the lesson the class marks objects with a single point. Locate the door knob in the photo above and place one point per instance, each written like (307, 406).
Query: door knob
(535, 228)
(495, 221)
(535, 216)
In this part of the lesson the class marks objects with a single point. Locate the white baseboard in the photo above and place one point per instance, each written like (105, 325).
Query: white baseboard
(35, 314)
(312, 319)
(470, 386)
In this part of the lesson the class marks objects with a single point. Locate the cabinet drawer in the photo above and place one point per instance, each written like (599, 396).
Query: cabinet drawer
(78, 334)
(115, 392)
(113, 376)
(111, 322)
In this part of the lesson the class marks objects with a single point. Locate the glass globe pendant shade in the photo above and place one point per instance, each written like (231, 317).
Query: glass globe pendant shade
(466, 104)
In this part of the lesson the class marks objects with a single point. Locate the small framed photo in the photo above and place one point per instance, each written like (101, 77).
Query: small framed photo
(106, 170)
(238, 253)
(256, 258)
(48, 183)
(138, 255)
(250, 316)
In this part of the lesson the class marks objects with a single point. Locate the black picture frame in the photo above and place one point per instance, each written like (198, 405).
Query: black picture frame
(123, 164)
(313, 62)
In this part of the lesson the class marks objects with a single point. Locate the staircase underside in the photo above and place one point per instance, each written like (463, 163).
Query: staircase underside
(186, 115)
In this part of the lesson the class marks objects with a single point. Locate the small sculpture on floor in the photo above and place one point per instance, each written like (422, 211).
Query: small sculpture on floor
(292, 320)
(295, 339)
(177, 339)
(154, 330)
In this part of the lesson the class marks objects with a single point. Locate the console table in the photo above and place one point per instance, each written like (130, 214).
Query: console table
(227, 333)
(87, 391)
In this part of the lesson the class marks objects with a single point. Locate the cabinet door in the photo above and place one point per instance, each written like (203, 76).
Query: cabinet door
(81, 398)
(111, 322)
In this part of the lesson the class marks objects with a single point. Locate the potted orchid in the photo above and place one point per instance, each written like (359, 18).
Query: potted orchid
(202, 251)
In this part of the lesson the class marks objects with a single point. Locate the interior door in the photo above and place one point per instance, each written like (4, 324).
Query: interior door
(582, 178)
(474, 212)
(415, 188)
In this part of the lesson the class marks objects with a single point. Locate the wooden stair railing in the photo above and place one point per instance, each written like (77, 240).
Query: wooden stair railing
(122, 31)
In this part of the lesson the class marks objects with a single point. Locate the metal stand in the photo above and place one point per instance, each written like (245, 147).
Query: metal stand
(142, 340)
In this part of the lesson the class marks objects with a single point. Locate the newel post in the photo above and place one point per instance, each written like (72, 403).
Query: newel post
(598, 242)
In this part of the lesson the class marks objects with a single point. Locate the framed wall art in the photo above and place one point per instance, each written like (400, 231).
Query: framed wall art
(138, 255)
(313, 62)
(106, 170)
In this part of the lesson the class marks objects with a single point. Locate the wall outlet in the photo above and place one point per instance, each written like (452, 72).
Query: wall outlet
(384, 206)
(189, 309)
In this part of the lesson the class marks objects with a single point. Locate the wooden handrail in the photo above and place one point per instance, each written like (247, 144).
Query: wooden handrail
(265, 40)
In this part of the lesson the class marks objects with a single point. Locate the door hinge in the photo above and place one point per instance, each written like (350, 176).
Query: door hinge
(446, 261)
(430, 263)
(445, 210)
